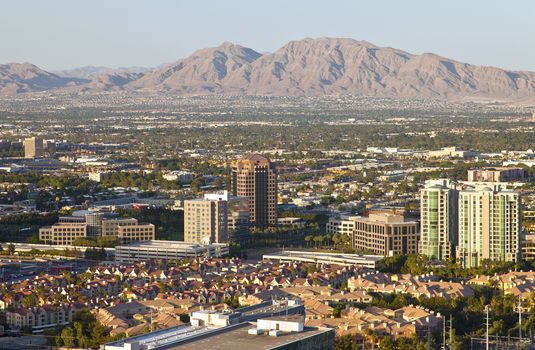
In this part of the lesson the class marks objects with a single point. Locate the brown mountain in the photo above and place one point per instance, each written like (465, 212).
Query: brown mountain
(334, 66)
(312, 67)
(222, 69)
(25, 77)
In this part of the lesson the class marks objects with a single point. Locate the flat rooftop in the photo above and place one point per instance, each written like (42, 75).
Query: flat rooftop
(236, 337)
(330, 258)
(157, 244)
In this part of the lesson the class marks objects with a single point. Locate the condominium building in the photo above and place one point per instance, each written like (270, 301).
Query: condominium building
(93, 225)
(489, 225)
(382, 234)
(528, 247)
(438, 219)
(33, 147)
(206, 219)
(255, 177)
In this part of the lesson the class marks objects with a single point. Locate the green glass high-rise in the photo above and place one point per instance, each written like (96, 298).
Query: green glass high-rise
(438, 216)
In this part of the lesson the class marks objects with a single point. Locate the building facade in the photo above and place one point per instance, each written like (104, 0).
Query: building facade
(206, 219)
(167, 250)
(438, 219)
(489, 225)
(255, 177)
(500, 174)
(63, 233)
(94, 225)
(33, 147)
(381, 234)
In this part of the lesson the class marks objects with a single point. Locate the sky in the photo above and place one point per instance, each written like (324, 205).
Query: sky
(63, 34)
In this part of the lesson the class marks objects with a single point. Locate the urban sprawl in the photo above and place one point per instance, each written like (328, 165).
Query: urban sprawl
(266, 223)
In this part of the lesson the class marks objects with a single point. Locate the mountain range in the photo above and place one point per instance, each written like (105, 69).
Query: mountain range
(308, 67)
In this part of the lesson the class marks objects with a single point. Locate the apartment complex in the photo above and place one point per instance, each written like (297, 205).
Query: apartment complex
(92, 225)
(499, 174)
(438, 218)
(33, 147)
(382, 234)
(489, 225)
(528, 247)
(255, 177)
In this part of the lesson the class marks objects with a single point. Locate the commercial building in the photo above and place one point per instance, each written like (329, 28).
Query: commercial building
(439, 219)
(255, 177)
(33, 147)
(167, 250)
(489, 225)
(450, 152)
(344, 225)
(499, 174)
(381, 234)
(271, 325)
(206, 219)
(63, 233)
(92, 225)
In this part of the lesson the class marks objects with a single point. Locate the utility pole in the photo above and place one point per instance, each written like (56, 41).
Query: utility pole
(428, 336)
(519, 317)
(487, 327)
(444, 332)
(451, 332)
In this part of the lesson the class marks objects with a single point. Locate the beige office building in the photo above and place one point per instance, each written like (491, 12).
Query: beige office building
(93, 226)
(63, 233)
(33, 147)
(254, 176)
(489, 225)
(110, 226)
(206, 219)
(135, 233)
(382, 234)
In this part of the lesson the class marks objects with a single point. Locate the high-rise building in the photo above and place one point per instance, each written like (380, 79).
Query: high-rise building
(33, 147)
(382, 234)
(206, 219)
(255, 177)
(489, 225)
(438, 219)
(238, 218)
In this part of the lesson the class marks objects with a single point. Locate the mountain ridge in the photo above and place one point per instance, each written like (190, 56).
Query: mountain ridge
(307, 67)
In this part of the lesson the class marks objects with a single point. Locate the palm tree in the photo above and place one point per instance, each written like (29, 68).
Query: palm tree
(308, 239)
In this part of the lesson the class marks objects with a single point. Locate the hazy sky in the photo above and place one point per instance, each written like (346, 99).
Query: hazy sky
(58, 34)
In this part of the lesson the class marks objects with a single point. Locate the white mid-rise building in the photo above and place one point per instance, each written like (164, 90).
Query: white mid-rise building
(489, 225)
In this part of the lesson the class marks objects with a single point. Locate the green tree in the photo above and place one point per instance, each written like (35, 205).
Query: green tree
(68, 337)
(11, 249)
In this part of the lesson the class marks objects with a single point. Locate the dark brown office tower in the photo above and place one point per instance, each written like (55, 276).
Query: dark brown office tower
(255, 177)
